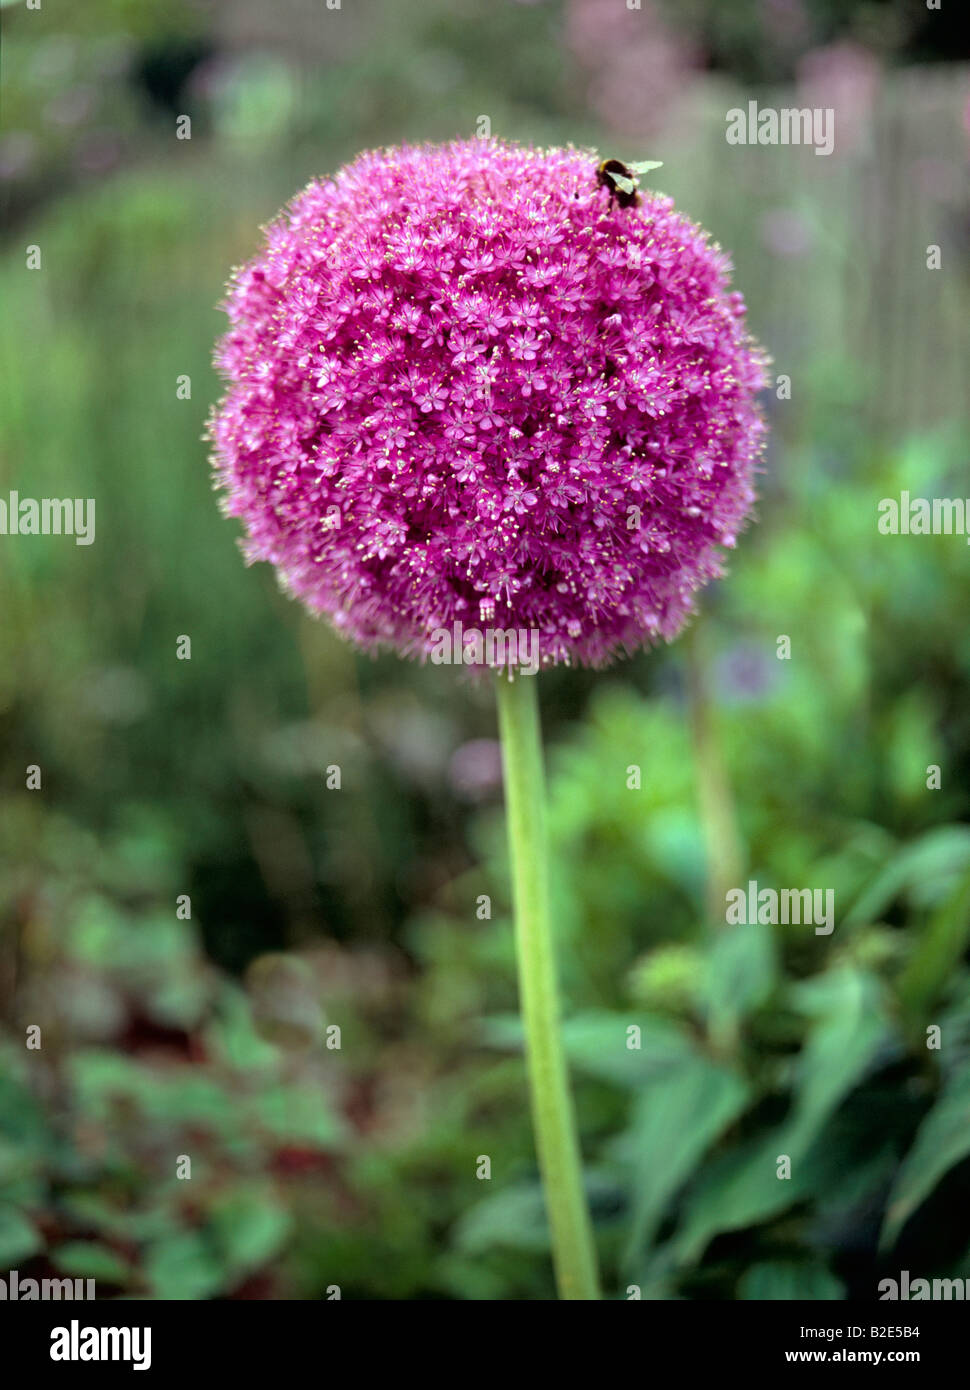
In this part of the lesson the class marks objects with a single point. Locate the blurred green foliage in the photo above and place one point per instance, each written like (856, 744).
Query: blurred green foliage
(211, 1036)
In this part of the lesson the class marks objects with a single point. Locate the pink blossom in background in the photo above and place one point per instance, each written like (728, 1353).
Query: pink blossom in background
(475, 770)
(18, 154)
(785, 232)
(99, 151)
(847, 77)
(637, 66)
(465, 385)
(786, 21)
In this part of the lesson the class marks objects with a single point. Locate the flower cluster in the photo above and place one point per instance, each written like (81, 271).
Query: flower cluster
(466, 385)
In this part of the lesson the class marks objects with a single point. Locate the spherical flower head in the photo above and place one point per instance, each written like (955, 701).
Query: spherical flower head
(472, 390)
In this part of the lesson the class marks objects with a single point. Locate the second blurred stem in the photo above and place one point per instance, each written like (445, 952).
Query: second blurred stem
(726, 860)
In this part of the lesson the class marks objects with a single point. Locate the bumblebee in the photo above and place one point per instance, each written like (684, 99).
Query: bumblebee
(621, 179)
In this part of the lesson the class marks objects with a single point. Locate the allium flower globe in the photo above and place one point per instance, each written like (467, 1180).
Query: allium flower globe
(466, 386)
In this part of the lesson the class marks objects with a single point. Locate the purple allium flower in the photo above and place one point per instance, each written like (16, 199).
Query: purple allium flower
(466, 386)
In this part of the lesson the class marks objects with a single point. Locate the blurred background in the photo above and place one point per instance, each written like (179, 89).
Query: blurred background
(188, 911)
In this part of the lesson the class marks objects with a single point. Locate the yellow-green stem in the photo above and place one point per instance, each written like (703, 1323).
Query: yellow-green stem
(553, 1116)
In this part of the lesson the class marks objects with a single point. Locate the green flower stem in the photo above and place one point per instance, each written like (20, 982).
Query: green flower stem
(553, 1117)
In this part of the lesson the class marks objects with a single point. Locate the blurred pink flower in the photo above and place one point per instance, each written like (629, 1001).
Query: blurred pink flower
(475, 770)
(18, 152)
(785, 232)
(99, 151)
(785, 20)
(845, 76)
(70, 108)
(638, 67)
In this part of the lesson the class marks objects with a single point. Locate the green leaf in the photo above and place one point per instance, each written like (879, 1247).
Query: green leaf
(183, 1265)
(942, 1140)
(297, 1116)
(514, 1217)
(739, 1189)
(785, 1280)
(249, 1228)
(97, 1213)
(19, 1237)
(935, 857)
(668, 979)
(598, 1043)
(939, 948)
(87, 1259)
(22, 1121)
(851, 1031)
(741, 973)
(676, 1118)
(231, 1036)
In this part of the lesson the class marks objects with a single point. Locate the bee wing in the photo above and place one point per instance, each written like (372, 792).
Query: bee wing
(645, 165)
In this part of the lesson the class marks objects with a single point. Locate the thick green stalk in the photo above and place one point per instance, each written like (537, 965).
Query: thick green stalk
(553, 1117)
